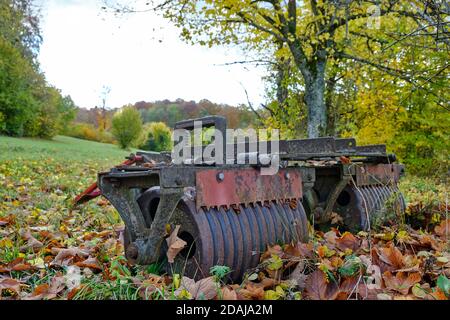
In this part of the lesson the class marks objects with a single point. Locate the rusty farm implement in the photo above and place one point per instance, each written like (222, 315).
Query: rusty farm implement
(228, 211)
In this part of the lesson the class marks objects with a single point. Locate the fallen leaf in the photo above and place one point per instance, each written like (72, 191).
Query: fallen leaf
(251, 291)
(9, 284)
(402, 281)
(21, 267)
(317, 287)
(347, 241)
(65, 256)
(175, 245)
(418, 291)
(275, 263)
(7, 220)
(47, 291)
(91, 263)
(228, 294)
(391, 257)
(428, 241)
(272, 250)
(72, 293)
(384, 296)
(443, 230)
(325, 252)
(438, 294)
(203, 289)
(298, 276)
(330, 238)
(32, 242)
(348, 287)
(444, 284)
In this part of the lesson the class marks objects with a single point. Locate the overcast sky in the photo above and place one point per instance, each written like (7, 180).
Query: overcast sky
(139, 57)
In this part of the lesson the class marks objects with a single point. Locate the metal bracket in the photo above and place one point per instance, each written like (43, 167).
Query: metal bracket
(325, 215)
(145, 250)
(123, 199)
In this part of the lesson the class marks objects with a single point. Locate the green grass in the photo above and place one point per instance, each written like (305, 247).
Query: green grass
(59, 148)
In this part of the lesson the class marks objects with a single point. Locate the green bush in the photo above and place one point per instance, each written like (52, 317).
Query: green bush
(427, 200)
(127, 126)
(156, 137)
(88, 132)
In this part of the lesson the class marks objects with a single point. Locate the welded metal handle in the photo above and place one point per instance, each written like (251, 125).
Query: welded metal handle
(220, 123)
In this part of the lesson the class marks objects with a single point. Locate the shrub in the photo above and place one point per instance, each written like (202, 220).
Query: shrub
(127, 126)
(87, 131)
(156, 137)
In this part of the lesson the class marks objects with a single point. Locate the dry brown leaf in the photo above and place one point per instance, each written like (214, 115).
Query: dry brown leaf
(443, 230)
(72, 293)
(437, 294)
(330, 237)
(175, 245)
(402, 281)
(65, 256)
(7, 220)
(251, 291)
(298, 276)
(21, 267)
(9, 284)
(17, 264)
(428, 241)
(391, 257)
(48, 291)
(32, 242)
(40, 292)
(203, 289)
(317, 287)
(91, 263)
(228, 294)
(348, 287)
(272, 250)
(347, 241)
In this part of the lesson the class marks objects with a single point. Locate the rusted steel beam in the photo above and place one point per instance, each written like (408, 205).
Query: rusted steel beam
(381, 174)
(216, 187)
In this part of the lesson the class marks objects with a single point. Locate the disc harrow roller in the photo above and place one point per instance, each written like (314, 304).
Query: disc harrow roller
(366, 206)
(234, 236)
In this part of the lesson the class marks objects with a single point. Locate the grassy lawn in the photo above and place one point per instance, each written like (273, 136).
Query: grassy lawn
(59, 148)
(42, 236)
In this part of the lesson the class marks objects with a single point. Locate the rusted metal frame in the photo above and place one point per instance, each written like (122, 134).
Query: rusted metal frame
(93, 191)
(218, 122)
(226, 187)
(346, 172)
(118, 190)
(147, 247)
(149, 156)
(377, 174)
(307, 149)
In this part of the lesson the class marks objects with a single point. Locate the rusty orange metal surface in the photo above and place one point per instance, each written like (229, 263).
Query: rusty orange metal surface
(244, 186)
(371, 174)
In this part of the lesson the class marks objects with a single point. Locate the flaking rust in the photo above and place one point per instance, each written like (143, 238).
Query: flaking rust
(229, 213)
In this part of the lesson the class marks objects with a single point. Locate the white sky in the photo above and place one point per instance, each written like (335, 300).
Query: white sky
(84, 49)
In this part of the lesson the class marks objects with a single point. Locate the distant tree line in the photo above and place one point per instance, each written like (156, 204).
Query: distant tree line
(157, 119)
(29, 106)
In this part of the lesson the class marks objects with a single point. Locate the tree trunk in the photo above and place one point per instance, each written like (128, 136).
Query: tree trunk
(313, 73)
(282, 72)
(315, 100)
(331, 108)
